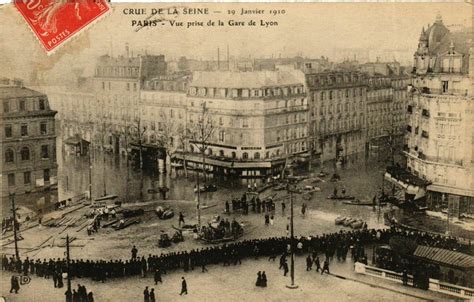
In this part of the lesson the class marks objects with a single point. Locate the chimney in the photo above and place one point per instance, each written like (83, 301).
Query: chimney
(127, 50)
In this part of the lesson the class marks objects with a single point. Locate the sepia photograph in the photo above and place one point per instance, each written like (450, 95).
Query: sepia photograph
(236, 151)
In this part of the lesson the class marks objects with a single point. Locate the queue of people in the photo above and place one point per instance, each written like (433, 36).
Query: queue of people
(138, 265)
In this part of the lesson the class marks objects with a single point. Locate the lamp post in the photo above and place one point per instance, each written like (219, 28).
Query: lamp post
(292, 241)
(12, 197)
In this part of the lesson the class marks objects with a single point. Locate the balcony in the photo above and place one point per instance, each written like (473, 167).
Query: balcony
(425, 113)
(424, 134)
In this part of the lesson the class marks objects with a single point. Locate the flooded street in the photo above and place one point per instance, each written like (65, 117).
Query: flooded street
(360, 178)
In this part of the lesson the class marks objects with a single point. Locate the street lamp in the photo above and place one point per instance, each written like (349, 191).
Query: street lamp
(290, 189)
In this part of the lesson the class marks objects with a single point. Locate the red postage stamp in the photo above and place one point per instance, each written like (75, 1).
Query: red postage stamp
(56, 21)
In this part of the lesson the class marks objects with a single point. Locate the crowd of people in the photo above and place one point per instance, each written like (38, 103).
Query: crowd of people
(247, 202)
(221, 229)
(336, 244)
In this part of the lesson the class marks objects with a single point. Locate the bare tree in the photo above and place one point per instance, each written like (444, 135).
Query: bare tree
(202, 133)
(183, 137)
(139, 130)
(166, 135)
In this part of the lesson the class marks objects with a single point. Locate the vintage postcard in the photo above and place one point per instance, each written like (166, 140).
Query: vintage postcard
(236, 151)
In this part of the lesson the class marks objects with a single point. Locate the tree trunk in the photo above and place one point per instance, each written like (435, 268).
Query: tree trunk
(204, 166)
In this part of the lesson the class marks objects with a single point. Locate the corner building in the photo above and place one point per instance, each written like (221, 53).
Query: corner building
(28, 146)
(260, 118)
(439, 135)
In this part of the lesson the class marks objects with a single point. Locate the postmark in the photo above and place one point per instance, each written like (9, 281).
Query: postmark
(54, 22)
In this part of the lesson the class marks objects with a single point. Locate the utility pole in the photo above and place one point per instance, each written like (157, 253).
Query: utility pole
(90, 171)
(17, 254)
(292, 241)
(69, 292)
(198, 207)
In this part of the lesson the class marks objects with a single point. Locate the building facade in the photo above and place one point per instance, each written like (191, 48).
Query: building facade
(440, 130)
(28, 144)
(117, 83)
(260, 121)
(337, 106)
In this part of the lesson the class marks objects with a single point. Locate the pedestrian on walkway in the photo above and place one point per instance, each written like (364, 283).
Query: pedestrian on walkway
(203, 266)
(152, 295)
(267, 219)
(326, 266)
(181, 219)
(309, 263)
(303, 209)
(134, 252)
(146, 295)
(405, 277)
(68, 295)
(285, 268)
(271, 220)
(264, 279)
(317, 264)
(15, 286)
(90, 297)
(157, 276)
(283, 206)
(184, 287)
(259, 279)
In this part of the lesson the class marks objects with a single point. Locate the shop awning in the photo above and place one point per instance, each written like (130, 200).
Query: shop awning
(450, 190)
(412, 184)
(445, 257)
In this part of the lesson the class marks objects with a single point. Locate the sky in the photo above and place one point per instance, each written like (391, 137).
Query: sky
(311, 30)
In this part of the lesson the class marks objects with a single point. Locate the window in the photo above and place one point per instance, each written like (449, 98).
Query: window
(445, 86)
(221, 136)
(134, 86)
(27, 178)
(245, 123)
(128, 86)
(6, 106)
(234, 155)
(25, 153)
(46, 175)
(44, 151)
(22, 105)
(245, 155)
(9, 156)
(42, 105)
(24, 130)
(8, 131)
(256, 155)
(221, 153)
(43, 128)
(11, 179)
(103, 85)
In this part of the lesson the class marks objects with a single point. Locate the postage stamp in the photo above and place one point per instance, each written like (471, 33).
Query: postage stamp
(55, 22)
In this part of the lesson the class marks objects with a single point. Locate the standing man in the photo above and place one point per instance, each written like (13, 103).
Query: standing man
(157, 276)
(134, 252)
(285, 268)
(146, 295)
(181, 219)
(152, 295)
(184, 287)
(317, 264)
(309, 263)
(325, 266)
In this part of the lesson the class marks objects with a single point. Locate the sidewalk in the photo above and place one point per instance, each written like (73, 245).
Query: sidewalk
(236, 283)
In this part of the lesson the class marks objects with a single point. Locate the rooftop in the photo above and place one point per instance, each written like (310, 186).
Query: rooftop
(245, 79)
(10, 92)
